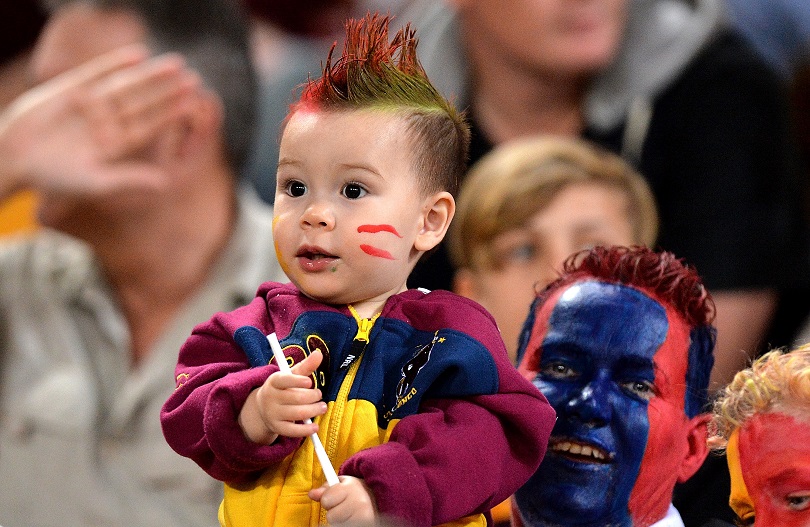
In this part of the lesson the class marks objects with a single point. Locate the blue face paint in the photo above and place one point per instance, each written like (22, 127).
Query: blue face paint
(596, 370)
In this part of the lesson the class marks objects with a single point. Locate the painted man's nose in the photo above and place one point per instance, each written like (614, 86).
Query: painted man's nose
(592, 405)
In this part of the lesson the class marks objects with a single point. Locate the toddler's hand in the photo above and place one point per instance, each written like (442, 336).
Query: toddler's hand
(350, 501)
(282, 403)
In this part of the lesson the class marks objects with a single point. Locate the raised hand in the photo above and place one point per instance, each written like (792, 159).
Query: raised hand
(279, 406)
(81, 131)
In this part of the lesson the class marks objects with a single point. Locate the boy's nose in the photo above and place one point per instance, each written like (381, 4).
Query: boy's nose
(318, 215)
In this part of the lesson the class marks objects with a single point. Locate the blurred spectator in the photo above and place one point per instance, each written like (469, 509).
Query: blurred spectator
(529, 204)
(145, 233)
(20, 24)
(698, 112)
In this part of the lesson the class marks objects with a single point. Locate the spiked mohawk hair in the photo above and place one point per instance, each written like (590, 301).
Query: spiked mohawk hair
(373, 73)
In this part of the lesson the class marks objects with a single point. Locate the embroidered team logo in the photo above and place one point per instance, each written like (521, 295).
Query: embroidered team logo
(412, 367)
(320, 377)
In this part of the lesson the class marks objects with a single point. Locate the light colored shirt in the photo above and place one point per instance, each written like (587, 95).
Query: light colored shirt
(80, 436)
(672, 519)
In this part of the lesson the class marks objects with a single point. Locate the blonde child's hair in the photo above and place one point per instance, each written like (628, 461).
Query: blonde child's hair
(521, 177)
(778, 381)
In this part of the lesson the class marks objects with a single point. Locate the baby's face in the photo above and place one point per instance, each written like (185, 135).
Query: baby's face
(348, 206)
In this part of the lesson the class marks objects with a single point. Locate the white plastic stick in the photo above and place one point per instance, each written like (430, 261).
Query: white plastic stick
(326, 464)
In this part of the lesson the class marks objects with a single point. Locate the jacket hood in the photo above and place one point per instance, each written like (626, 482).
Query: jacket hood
(661, 38)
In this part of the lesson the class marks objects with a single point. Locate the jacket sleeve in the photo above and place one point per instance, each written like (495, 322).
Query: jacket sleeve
(472, 452)
(214, 379)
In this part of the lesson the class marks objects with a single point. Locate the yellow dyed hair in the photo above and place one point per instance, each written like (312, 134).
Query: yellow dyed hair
(777, 381)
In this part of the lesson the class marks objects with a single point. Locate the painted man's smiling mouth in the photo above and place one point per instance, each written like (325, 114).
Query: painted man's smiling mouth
(580, 451)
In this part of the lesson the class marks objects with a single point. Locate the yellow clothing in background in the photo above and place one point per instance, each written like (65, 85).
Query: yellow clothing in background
(18, 214)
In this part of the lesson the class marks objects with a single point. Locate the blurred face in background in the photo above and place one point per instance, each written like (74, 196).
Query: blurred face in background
(78, 33)
(566, 37)
(73, 35)
(580, 216)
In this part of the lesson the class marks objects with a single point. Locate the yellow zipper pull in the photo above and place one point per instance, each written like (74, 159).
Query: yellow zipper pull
(360, 341)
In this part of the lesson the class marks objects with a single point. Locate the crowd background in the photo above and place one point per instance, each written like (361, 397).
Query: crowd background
(709, 100)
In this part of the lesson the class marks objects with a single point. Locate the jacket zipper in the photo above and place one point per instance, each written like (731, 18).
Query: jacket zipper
(359, 344)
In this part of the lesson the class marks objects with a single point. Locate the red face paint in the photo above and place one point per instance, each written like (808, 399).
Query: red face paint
(374, 229)
(374, 251)
(774, 450)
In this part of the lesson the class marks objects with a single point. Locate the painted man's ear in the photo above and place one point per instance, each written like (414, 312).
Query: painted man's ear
(438, 211)
(698, 434)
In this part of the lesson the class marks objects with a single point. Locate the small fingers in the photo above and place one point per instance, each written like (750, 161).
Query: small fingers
(293, 429)
(308, 366)
(317, 493)
(299, 412)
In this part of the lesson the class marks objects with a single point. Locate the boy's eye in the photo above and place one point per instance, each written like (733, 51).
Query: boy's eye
(295, 188)
(798, 502)
(558, 370)
(524, 252)
(353, 191)
(641, 389)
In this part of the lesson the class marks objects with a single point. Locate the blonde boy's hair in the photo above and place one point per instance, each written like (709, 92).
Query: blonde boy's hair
(517, 179)
(775, 382)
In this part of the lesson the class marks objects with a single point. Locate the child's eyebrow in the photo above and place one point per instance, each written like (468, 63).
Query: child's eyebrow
(361, 166)
(284, 161)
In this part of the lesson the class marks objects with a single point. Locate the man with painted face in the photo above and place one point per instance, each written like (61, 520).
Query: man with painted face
(621, 346)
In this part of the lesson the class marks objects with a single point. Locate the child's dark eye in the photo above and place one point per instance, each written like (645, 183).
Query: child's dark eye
(295, 188)
(353, 191)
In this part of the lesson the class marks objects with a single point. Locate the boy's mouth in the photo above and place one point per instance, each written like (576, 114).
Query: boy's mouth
(315, 259)
(579, 451)
(313, 253)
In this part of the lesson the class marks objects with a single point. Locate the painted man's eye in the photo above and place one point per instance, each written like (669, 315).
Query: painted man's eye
(558, 370)
(642, 389)
(353, 191)
(798, 502)
(295, 188)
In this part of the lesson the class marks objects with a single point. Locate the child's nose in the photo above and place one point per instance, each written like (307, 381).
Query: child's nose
(318, 215)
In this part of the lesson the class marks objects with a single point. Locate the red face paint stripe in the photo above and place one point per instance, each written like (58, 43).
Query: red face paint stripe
(374, 229)
(374, 251)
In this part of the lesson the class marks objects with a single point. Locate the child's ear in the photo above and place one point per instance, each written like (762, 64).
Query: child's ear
(437, 213)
